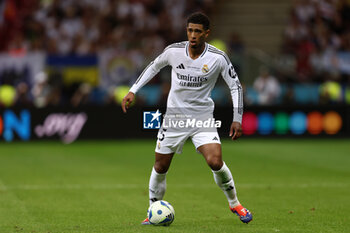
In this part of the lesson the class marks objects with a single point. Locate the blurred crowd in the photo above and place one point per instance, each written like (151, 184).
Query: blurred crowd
(316, 41)
(126, 35)
(87, 26)
(317, 30)
(134, 30)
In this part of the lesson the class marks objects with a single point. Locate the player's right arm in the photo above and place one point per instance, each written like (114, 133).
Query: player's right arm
(148, 73)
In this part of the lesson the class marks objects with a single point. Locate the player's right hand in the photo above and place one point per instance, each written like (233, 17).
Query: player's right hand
(127, 100)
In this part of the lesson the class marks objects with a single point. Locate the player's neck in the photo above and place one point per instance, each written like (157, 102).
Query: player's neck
(196, 52)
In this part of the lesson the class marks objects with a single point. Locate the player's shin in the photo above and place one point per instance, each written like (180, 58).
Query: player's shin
(157, 186)
(224, 180)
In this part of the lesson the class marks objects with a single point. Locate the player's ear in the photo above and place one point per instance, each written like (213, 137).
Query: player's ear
(207, 33)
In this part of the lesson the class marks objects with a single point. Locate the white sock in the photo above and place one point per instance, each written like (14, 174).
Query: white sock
(157, 186)
(224, 180)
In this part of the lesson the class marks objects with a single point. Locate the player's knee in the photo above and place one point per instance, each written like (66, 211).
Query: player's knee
(161, 168)
(215, 163)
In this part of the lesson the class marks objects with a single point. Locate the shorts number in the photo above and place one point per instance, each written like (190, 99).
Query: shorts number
(161, 135)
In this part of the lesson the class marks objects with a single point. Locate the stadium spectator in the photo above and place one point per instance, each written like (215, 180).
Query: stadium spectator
(304, 51)
(46, 91)
(267, 87)
(23, 95)
(304, 10)
(81, 95)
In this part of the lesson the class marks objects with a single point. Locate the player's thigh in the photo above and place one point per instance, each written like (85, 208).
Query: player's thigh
(162, 162)
(211, 151)
(209, 145)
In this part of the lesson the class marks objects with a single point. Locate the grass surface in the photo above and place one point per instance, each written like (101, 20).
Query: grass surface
(289, 186)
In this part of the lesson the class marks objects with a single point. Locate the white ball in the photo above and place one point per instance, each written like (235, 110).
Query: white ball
(161, 213)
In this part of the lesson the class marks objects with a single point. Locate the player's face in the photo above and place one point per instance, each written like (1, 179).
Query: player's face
(196, 35)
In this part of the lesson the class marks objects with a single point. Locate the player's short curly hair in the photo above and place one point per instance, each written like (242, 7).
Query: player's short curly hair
(199, 18)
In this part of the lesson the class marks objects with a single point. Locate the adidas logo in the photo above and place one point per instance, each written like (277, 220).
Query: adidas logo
(181, 66)
(215, 139)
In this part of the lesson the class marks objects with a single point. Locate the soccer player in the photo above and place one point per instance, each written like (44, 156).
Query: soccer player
(196, 66)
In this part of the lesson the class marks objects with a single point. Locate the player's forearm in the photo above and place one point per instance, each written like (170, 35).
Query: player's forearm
(149, 72)
(237, 101)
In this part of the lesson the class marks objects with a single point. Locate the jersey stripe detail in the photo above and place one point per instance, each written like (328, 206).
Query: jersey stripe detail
(143, 72)
(220, 53)
(176, 45)
(187, 50)
(240, 101)
(205, 50)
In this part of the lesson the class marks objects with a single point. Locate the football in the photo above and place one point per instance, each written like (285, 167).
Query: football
(161, 213)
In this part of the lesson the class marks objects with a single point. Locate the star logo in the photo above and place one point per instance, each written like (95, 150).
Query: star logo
(156, 115)
(152, 119)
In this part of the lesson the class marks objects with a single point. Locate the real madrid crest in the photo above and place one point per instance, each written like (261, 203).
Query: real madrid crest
(205, 69)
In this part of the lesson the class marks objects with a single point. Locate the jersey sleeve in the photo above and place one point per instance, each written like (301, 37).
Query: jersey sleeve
(150, 71)
(230, 76)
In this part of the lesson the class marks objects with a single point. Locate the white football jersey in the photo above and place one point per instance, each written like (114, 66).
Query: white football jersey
(192, 80)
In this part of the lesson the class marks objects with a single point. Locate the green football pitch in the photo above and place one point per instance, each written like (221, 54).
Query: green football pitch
(290, 185)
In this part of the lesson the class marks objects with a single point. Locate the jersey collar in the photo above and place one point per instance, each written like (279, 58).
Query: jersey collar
(204, 51)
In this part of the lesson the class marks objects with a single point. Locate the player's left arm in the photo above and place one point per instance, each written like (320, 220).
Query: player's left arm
(231, 78)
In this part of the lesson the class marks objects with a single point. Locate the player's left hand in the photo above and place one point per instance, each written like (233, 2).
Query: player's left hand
(127, 100)
(237, 128)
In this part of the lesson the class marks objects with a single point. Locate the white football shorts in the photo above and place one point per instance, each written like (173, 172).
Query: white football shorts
(172, 142)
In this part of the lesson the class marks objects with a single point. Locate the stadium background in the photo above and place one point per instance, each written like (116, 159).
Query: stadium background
(80, 57)
(72, 162)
